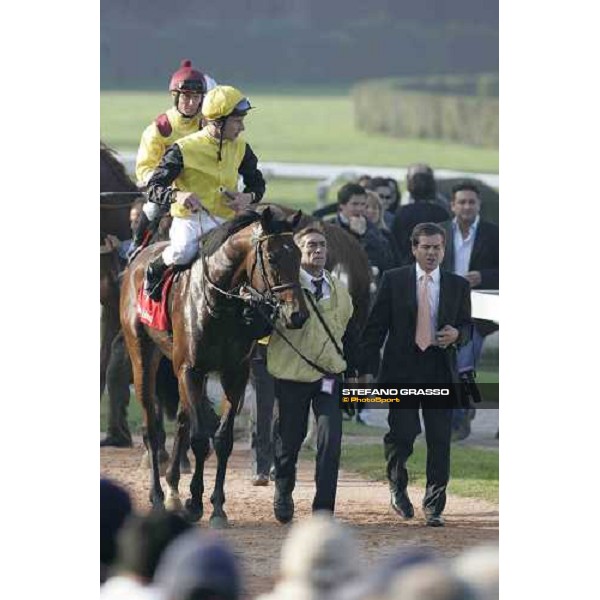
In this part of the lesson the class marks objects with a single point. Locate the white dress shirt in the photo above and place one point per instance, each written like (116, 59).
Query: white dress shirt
(433, 289)
(306, 280)
(463, 247)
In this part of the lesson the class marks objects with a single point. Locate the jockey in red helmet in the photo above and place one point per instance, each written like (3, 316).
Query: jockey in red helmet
(198, 179)
(188, 86)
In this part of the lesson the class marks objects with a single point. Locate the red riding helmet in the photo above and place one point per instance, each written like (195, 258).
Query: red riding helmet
(187, 79)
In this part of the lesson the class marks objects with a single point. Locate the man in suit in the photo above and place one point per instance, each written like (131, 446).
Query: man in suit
(472, 251)
(425, 208)
(472, 248)
(425, 313)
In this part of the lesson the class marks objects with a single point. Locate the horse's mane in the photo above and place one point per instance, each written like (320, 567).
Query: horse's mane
(116, 167)
(215, 238)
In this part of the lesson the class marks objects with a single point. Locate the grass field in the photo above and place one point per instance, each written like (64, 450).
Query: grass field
(315, 126)
(474, 472)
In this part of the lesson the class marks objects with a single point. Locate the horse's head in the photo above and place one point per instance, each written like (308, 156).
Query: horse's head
(274, 268)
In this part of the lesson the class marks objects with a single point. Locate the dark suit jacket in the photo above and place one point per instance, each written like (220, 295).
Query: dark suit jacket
(484, 257)
(410, 215)
(394, 313)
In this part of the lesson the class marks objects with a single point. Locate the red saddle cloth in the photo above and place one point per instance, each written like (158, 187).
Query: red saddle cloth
(156, 314)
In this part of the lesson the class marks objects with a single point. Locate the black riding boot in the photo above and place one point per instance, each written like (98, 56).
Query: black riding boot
(154, 274)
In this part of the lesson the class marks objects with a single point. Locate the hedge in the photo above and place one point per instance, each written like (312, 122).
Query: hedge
(462, 109)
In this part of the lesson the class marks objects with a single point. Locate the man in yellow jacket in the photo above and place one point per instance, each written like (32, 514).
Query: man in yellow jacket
(308, 369)
(188, 87)
(198, 177)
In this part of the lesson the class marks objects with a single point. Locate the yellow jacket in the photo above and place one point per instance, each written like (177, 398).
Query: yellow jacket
(154, 143)
(205, 175)
(312, 339)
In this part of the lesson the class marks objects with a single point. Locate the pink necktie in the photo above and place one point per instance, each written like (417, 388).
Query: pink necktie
(423, 335)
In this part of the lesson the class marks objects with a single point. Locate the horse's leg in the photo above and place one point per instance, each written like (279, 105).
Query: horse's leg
(163, 455)
(179, 447)
(233, 384)
(144, 360)
(190, 398)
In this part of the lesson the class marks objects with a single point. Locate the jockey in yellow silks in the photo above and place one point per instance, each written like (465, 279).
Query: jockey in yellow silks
(198, 178)
(188, 86)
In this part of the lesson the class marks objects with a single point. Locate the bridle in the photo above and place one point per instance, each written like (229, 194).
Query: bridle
(250, 295)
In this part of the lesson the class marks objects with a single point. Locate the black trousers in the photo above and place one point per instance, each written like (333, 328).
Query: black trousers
(261, 414)
(294, 400)
(405, 425)
(118, 377)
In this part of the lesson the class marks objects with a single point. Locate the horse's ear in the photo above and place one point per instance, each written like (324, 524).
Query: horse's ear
(295, 219)
(266, 217)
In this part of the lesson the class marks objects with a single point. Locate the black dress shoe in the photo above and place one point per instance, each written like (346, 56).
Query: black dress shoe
(283, 507)
(115, 442)
(402, 505)
(434, 520)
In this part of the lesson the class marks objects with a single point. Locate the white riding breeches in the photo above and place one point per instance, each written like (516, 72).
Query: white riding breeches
(151, 210)
(185, 234)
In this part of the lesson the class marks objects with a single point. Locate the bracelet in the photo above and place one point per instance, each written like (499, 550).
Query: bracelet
(253, 198)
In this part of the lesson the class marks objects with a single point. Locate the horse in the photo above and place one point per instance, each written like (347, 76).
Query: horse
(346, 259)
(117, 194)
(256, 250)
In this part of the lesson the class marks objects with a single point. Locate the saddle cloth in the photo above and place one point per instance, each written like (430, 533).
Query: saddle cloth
(156, 314)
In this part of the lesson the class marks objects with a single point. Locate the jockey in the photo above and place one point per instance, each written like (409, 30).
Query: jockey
(188, 86)
(198, 177)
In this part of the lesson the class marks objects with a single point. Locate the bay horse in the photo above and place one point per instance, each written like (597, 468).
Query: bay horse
(117, 195)
(254, 249)
(346, 259)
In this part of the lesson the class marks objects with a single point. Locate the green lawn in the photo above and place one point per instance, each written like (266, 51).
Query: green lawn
(317, 127)
(474, 472)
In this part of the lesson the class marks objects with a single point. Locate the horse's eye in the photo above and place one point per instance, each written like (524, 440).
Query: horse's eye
(271, 257)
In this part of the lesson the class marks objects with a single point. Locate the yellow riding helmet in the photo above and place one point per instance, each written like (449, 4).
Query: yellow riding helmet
(224, 101)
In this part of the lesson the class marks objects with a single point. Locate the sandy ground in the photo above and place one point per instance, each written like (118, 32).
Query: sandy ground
(257, 537)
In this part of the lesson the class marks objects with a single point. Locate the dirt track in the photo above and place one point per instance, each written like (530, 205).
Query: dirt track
(257, 537)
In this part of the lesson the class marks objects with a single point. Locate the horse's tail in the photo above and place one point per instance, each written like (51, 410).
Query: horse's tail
(167, 389)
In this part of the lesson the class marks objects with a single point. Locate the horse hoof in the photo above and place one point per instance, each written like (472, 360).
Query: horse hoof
(218, 521)
(157, 501)
(173, 503)
(193, 511)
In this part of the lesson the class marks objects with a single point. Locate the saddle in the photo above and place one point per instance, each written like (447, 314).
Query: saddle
(155, 313)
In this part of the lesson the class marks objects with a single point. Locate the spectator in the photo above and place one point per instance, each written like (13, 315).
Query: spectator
(374, 213)
(431, 581)
(418, 178)
(472, 251)
(425, 209)
(352, 202)
(118, 370)
(376, 582)
(199, 567)
(480, 568)
(366, 182)
(115, 507)
(389, 197)
(308, 370)
(140, 544)
(318, 557)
